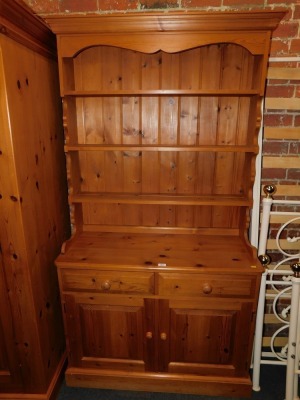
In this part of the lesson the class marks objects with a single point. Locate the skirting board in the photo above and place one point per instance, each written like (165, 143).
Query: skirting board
(53, 387)
(191, 384)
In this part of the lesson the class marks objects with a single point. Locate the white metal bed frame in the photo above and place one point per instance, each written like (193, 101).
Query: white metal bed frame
(286, 285)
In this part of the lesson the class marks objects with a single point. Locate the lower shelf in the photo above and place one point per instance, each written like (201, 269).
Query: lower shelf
(152, 250)
(157, 382)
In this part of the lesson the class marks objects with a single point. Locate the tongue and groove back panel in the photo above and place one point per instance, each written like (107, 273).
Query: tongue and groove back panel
(190, 153)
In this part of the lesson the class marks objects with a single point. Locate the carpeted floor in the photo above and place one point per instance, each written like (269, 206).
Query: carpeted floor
(272, 384)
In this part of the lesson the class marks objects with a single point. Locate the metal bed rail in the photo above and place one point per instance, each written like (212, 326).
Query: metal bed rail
(279, 284)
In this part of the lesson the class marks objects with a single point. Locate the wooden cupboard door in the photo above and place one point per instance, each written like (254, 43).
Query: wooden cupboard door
(209, 337)
(106, 332)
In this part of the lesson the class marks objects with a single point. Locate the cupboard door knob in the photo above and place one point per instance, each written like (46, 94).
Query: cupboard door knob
(163, 336)
(207, 289)
(106, 285)
(149, 335)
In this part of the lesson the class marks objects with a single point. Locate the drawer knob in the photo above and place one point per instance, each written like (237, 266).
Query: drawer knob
(106, 285)
(163, 336)
(149, 335)
(207, 289)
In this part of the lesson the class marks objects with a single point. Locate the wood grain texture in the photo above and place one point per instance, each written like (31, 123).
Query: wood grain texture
(194, 384)
(91, 249)
(33, 212)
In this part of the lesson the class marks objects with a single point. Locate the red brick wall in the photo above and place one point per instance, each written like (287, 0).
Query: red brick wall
(285, 43)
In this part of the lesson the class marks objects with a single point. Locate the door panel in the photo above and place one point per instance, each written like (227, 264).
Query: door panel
(209, 337)
(111, 332)
(105, 334)
(202, 336)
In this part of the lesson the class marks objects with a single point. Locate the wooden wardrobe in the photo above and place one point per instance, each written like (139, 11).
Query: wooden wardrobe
(159, 283)
(34, 218)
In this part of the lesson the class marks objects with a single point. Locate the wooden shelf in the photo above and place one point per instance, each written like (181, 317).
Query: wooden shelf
(162, 148)
(149, 249)
(141, 229)
(160, 92)
(160, 199)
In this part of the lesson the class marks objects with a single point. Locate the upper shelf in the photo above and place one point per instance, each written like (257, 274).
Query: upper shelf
(161, 199)
(161, 92)
(162, 148)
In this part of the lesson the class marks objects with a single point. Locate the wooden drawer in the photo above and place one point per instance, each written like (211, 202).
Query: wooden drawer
(206, 285)
(107, 281)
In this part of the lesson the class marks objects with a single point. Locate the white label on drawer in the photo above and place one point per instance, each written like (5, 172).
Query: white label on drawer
(161, 265)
